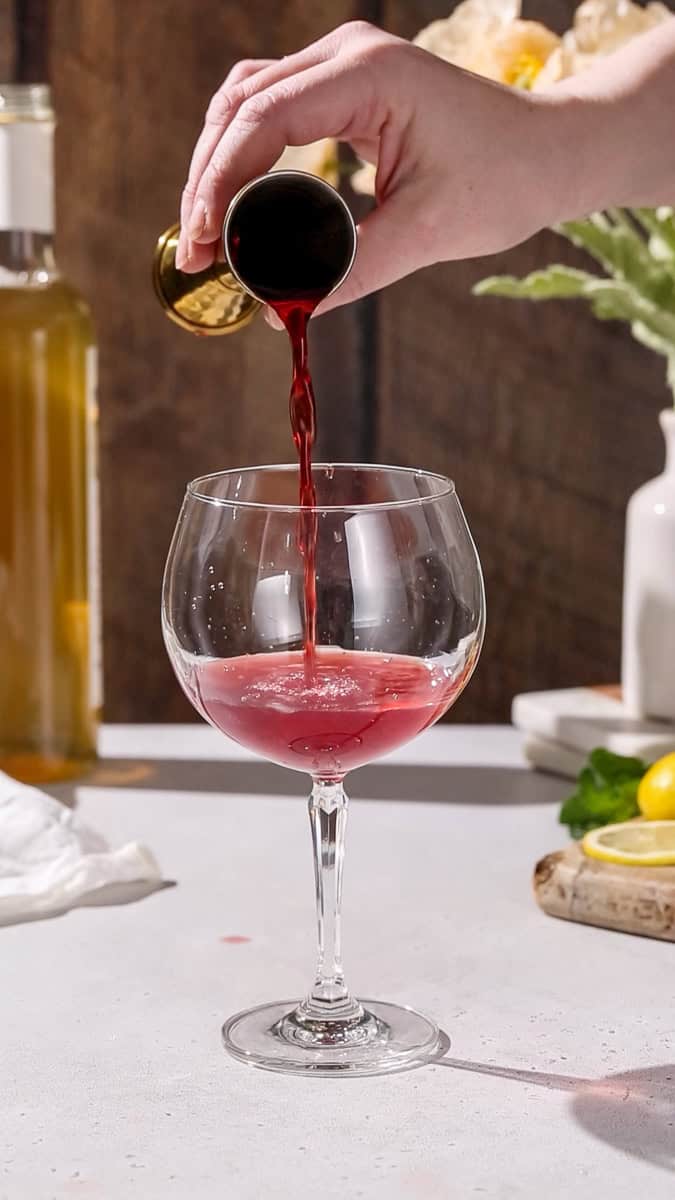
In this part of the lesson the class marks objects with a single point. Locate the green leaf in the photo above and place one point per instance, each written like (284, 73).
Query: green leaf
(660, 225)
(552, 283)
(606, 792)
(639, 289)
(642, 333)
(614, 300)
(624, 254)
(619, 250)
(608, 767)
(610, 299)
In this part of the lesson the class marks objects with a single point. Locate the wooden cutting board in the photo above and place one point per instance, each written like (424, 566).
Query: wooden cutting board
(641, 900)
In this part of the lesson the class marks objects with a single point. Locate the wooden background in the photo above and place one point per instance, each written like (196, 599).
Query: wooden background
(545, 418)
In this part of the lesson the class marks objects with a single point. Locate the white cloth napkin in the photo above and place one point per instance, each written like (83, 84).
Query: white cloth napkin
(50, 860)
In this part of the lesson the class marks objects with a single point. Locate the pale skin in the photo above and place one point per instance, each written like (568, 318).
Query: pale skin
(465, 167)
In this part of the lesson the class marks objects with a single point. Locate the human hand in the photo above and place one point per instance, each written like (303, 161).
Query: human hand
(465, 166)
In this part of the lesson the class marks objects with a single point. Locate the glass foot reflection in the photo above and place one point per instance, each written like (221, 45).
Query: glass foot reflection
(383, 1038)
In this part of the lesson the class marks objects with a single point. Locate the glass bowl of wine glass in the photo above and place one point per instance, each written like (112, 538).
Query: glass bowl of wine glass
(324, 662)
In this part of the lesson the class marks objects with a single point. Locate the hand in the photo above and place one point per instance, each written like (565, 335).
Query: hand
(464, 166)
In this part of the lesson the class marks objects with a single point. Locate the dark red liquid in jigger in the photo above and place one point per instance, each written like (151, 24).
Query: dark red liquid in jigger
(290, 242)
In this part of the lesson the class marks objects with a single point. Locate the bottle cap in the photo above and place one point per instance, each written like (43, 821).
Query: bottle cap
(25, 102)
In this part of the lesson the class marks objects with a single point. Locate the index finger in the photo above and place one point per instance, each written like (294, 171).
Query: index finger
(212, 130)
(294, 112)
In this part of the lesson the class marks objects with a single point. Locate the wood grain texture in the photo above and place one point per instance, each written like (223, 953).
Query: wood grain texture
(546, 419)
(131, 85)
(8, 45)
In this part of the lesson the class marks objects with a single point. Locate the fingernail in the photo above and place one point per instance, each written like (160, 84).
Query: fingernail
(272, 319)
(197, 221)
(181, 256)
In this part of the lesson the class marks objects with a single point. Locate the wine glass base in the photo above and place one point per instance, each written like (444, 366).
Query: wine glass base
(401, 1039)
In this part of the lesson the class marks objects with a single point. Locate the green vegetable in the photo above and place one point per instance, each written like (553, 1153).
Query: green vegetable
(606, 792)
(636, 249)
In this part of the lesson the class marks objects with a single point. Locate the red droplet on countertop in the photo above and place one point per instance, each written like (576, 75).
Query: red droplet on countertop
(235, 939)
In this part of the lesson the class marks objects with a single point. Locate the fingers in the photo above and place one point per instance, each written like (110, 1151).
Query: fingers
(383, 255)
(294, 112)
(249, 116)
(214, 121)
(206, 143)
(245, 80)
(272, 319)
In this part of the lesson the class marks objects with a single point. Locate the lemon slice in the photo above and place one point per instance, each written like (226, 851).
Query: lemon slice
(633, 843)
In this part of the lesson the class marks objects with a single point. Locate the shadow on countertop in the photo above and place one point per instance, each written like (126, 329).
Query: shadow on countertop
(432, 784)
(632, 1111)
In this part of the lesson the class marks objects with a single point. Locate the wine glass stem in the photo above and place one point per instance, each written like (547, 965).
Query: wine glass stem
(329, 998)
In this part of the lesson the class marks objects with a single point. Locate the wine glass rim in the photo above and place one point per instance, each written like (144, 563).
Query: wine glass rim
(447, 488)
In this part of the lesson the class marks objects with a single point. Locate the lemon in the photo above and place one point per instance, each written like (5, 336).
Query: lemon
(633, 843)
(656, 791)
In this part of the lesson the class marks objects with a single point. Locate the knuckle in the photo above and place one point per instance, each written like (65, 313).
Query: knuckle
(259, 108)
(378, 51)
(242, 70)
(222, 105)
(365, 43)
(357, 29)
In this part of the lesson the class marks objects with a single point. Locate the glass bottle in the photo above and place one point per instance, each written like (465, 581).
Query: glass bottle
(50, 691)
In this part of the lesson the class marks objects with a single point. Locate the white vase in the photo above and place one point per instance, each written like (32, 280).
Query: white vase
(648, 650)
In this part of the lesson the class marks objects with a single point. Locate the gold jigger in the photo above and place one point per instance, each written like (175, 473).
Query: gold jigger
(209, 303)
(221, 299)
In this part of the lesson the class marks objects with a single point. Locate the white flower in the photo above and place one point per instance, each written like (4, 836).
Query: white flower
(489, 38)
(363, 180)
(486, 37)
(600, 27)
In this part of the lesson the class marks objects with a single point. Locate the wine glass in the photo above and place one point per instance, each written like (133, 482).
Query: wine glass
(400, 616)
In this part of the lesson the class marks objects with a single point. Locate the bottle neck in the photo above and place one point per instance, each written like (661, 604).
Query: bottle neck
(26, 201)
(26, 258)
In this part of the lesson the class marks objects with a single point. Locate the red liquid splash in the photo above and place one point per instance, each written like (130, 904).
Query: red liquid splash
(356, 706)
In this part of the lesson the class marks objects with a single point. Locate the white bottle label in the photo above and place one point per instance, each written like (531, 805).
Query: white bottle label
(93, 532)
(26, 175)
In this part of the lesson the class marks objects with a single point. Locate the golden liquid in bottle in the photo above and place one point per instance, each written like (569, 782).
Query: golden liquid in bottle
(47, 431)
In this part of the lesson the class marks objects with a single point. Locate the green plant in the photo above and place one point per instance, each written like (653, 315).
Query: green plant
(606, 792)
(636, 249)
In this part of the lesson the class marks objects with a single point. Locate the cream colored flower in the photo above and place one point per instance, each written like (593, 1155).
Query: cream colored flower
(319, 158)
(363, 180)
(486, 37)
(600, 27)
(489, 38)
(460, 38)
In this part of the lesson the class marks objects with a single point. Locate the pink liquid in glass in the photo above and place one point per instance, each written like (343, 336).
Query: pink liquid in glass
(354, 707)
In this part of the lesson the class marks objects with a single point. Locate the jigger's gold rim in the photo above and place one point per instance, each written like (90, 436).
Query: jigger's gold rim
(164, 257)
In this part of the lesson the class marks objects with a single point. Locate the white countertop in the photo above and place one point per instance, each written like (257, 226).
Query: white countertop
(113, 1083)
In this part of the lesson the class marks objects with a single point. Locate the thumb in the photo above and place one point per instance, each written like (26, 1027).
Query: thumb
(393, 241)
